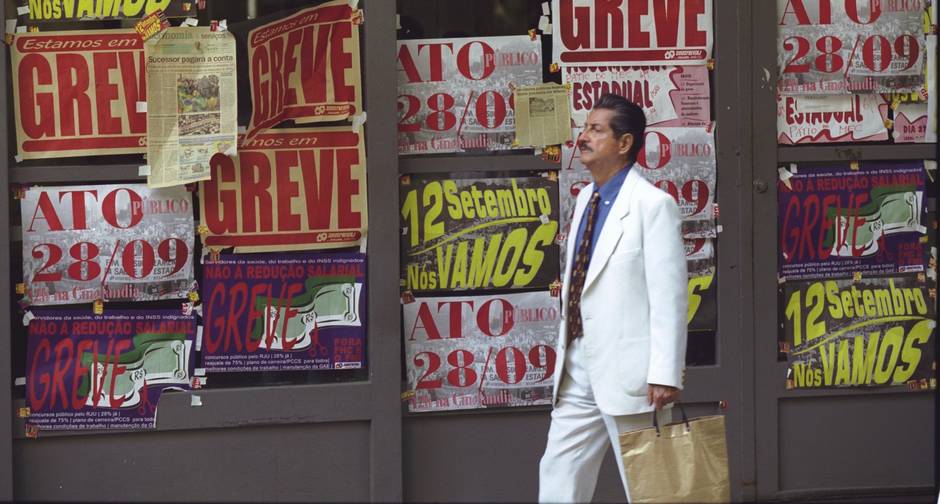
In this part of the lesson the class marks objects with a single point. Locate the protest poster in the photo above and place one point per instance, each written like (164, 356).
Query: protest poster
(121, 242)
(542, 116)
(108, 371)
(274, 312)
(455, 95)
(850, 46)
(480, 233)
(838, 222)
(668, 95)
(480, 351)
(191, 109)
(644, 32)
(825, 119)
(75, 93)
(45, 11)
(680, 161)
(305, 67)
(859, 333)
(295, 189)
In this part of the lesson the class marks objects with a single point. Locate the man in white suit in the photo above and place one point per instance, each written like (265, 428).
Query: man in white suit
(621, 346)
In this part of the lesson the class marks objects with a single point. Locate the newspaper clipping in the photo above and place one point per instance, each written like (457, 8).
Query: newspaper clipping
(190, 75)
(542, 116)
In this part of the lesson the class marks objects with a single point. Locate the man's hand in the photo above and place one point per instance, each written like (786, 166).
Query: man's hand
(661, 395)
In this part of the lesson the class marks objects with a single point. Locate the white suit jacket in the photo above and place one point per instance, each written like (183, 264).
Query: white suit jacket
(634, 302)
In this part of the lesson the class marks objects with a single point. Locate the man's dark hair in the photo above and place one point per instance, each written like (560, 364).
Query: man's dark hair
(627, 118)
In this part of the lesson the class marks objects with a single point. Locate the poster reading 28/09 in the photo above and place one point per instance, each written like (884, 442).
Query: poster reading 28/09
(850, 46)
(456, 95)
(274, 312)
(110, 242)
(478, 233)
(480, 351)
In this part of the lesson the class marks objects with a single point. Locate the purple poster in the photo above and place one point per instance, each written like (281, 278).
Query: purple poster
(105, 371)
(279, 312)
(836, 222)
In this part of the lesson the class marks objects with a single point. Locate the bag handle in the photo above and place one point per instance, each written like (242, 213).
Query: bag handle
(685, 419)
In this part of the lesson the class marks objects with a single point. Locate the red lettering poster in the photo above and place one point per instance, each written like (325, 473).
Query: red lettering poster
(824, 119)
(644, 32)
(455, 95)
(108, 371)
(850, 46)
(306, 67)
(75, 93)
(670, 96)
(293, 189)
(481, 351)
(110, 242)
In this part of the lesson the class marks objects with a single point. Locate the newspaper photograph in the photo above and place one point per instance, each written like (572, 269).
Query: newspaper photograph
(191, 103)
(542, 115)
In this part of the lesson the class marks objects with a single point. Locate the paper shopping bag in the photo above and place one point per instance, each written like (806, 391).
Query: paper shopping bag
(680, 462)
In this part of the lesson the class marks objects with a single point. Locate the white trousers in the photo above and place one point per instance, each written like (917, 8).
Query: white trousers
(579, 436)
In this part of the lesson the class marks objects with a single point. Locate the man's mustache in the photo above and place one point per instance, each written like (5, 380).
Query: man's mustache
(583, 146)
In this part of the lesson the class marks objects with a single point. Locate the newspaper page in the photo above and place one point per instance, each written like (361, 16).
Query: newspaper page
(191, 103)
(542, 115)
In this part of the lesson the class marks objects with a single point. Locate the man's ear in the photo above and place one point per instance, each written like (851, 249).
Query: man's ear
(626, 142)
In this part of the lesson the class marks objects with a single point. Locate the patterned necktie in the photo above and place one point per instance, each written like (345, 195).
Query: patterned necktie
(579, 272)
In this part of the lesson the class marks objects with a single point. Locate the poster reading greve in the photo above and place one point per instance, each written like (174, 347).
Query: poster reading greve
(835, 221)
(478, 233)
(480, 351)
(111, 242)
(75, 93)
(634, 32)
(273, 312)
(668, 95)
(305, 67)
(287, 190)
(866, 333)
(456, 95)
(105, 371)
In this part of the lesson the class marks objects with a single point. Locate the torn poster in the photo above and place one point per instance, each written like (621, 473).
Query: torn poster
(825, 119)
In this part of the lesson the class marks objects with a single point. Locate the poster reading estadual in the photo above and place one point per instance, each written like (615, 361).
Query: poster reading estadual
(835, 221)
(455, 94)
(850, 46)
(668, 95)
(480, 351)
(75, 93)
(866, 333)
(121, 242)
(826, 119)
(643, 32)
(105, 372)
(273, 312)
(191, 103)
(290, 189)
(486, 233)
(305, 67)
